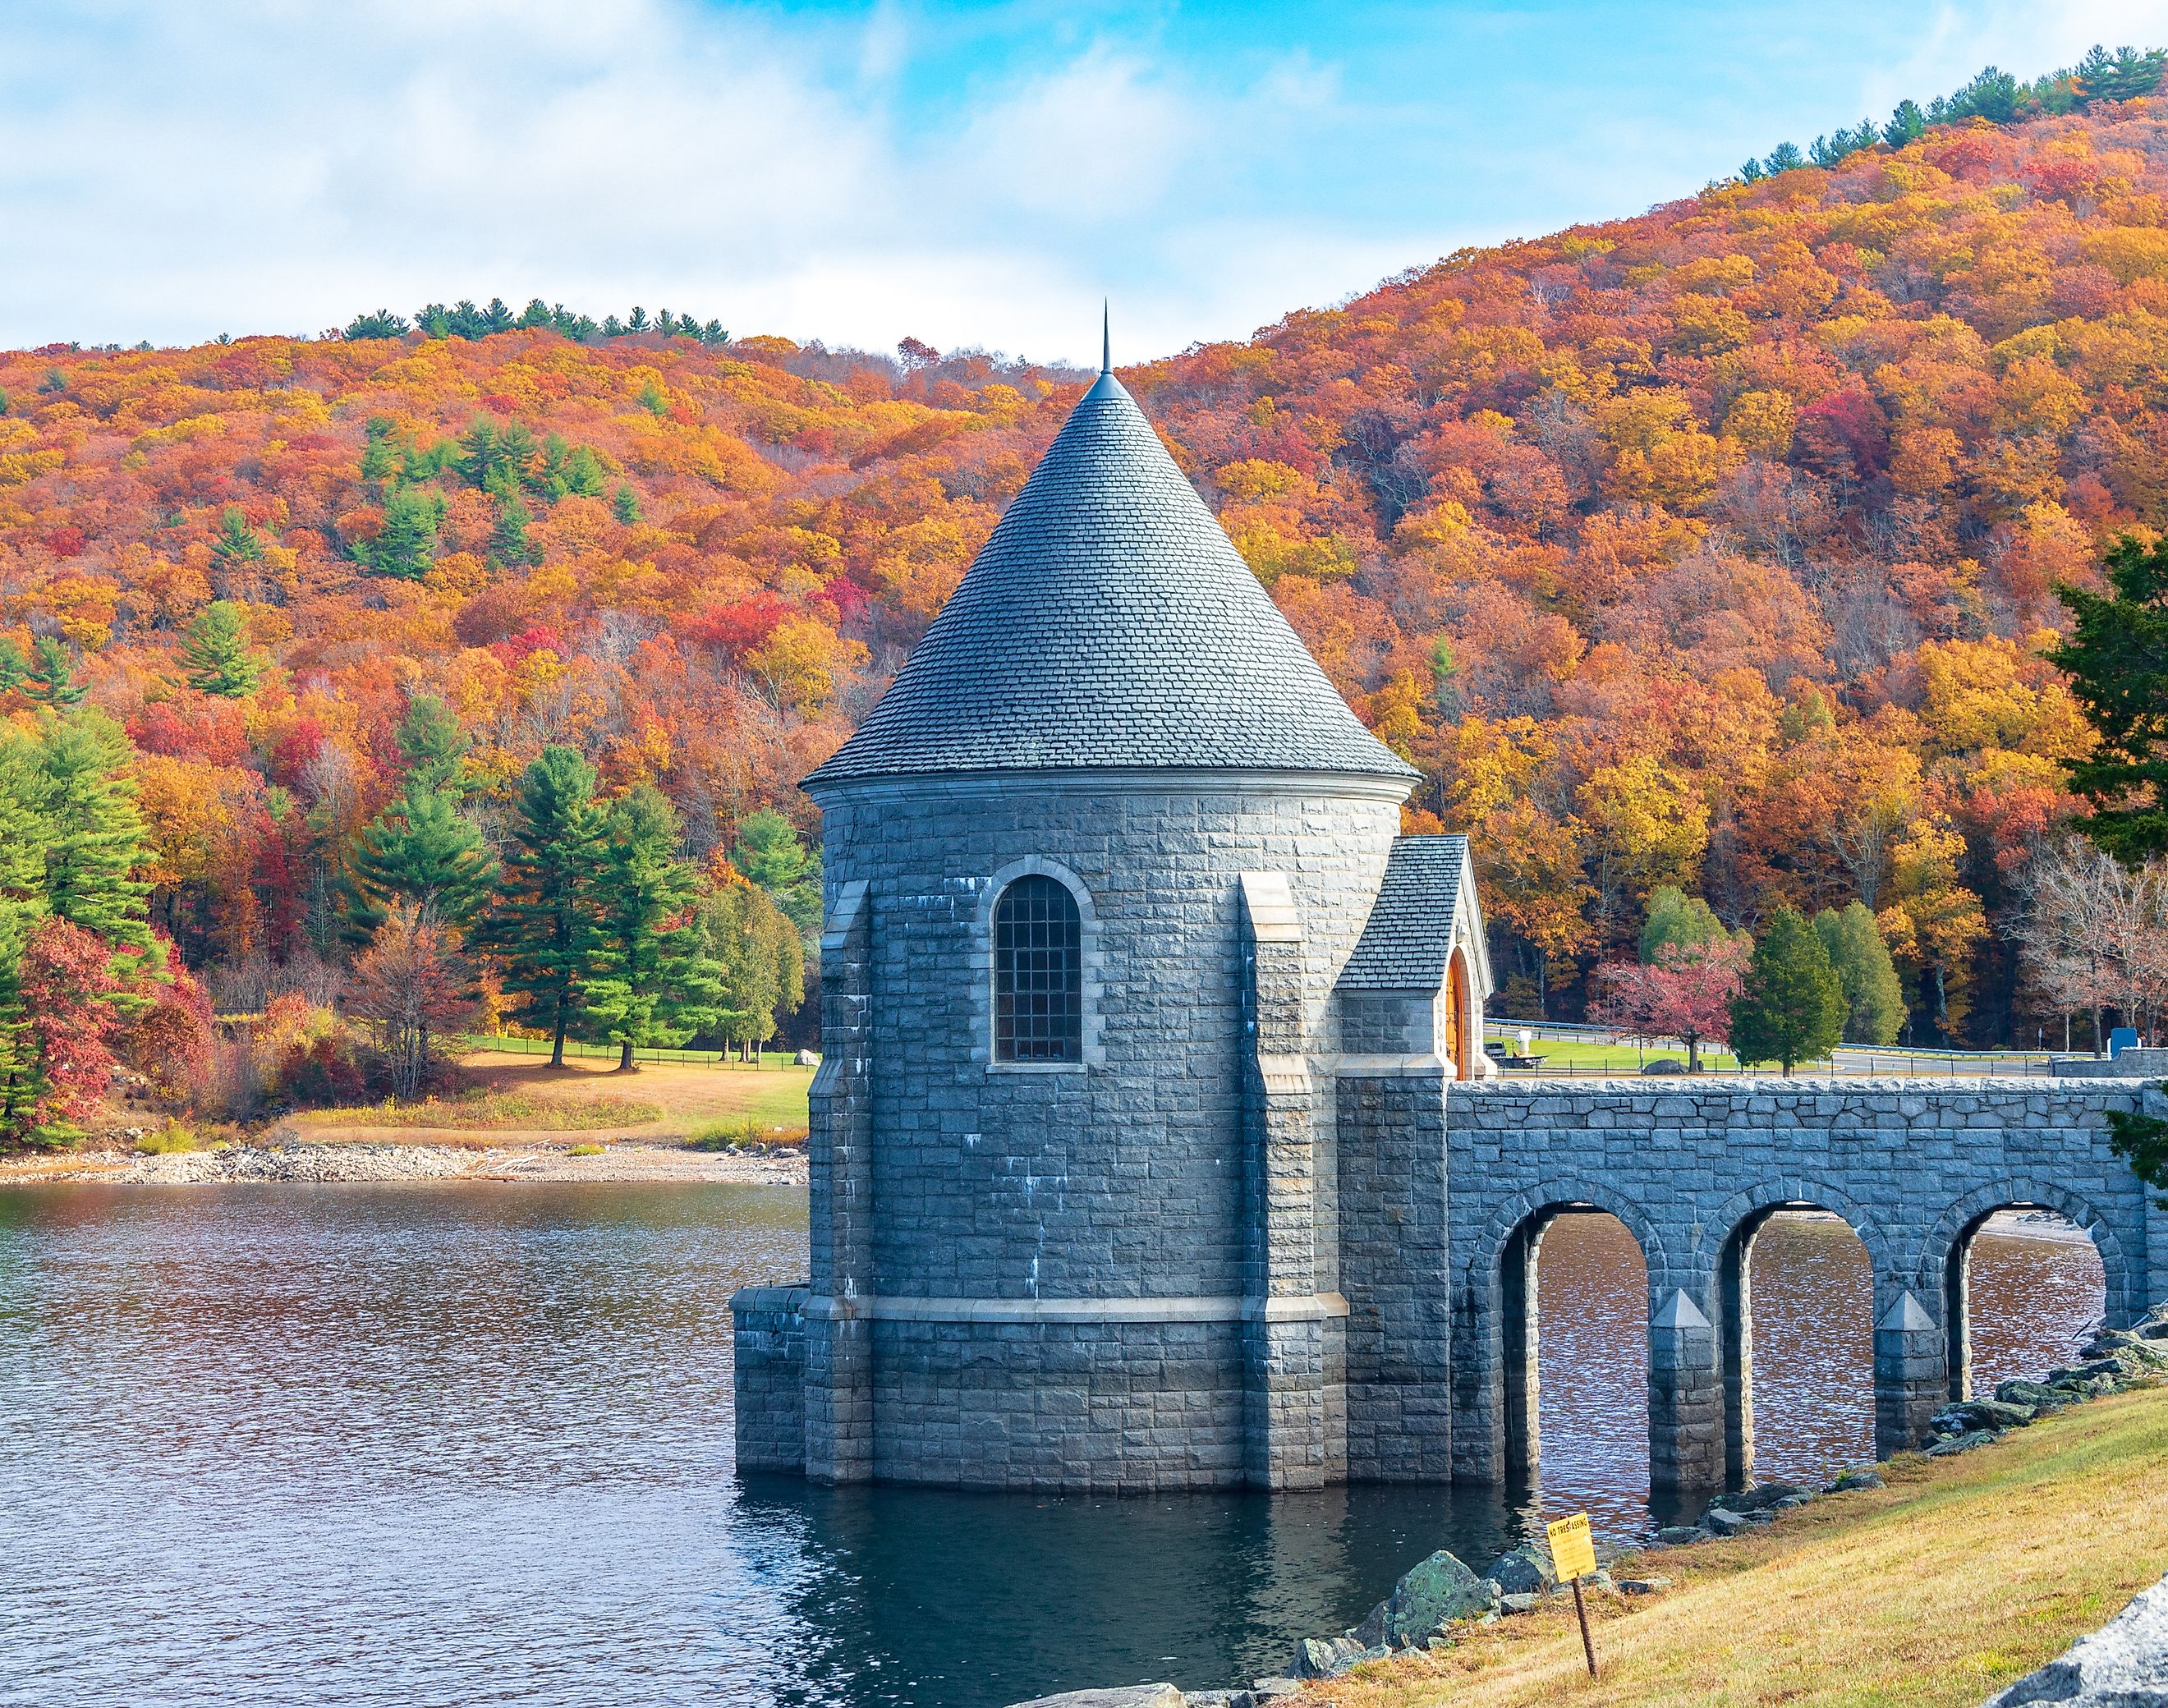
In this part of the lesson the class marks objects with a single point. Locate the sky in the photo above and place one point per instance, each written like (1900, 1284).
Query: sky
(973, 176)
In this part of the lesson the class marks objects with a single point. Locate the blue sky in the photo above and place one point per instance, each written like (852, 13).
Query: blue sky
(967, 174)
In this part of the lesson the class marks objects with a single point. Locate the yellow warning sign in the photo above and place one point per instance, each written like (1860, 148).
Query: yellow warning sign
(1573, 1548)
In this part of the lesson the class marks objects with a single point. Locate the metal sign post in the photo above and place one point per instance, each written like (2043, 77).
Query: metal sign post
(1573, 1556)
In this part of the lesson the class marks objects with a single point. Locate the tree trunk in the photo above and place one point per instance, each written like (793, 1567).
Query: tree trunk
(624, 1056)
(557, 1041)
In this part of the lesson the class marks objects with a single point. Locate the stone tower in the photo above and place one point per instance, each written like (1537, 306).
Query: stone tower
(1096, 866)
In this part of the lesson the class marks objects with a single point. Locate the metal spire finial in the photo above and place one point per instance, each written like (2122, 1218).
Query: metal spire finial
(1105, 336)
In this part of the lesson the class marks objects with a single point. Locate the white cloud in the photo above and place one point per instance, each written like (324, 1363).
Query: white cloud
(173, 171)
(234, 165)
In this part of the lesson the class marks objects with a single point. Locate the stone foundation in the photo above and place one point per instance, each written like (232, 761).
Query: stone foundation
(1397, 1340)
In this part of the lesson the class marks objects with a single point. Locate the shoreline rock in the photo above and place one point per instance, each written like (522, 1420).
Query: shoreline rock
(2124, 1664)
(281, 1158)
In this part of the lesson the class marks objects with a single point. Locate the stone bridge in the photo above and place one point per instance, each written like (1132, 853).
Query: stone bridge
(1442, 1335)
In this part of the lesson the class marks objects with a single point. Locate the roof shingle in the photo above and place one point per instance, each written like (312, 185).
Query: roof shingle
(1407, 942)
(1110, 622)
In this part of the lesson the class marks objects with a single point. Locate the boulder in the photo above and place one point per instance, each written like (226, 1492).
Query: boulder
(2124, 1664)
(1122, 1696)
(1329, 1656)
(1643, 1586)
(1982, 1414)
(1945, 1445)
(1525, 1602)
(1272, 1689)
(1677, 1535)
(1760, 1498)
(1525, 1570)
(1857, 1479)
(807, 1058)
(2151, 1330)
(1722, 1521)
(1423, 1603)
(2126, 1351)
(1218, 1699)
(2035, 1394)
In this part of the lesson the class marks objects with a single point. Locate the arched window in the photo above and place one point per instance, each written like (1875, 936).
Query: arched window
(1038, 973)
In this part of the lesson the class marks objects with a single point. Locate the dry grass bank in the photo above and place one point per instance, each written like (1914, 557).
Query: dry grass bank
(1961, 1576)
(506, 1098)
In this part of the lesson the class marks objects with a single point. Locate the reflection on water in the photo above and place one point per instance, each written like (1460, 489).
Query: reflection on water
(1592, 1372)
(2036, 1291)
(464, 1444)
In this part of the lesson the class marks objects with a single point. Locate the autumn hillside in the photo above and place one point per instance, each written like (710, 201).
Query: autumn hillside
(1712, 546)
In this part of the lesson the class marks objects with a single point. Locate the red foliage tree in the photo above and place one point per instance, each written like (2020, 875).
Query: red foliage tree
(68, 989)
(170, 1043)
(1685, 994)
(412, 986)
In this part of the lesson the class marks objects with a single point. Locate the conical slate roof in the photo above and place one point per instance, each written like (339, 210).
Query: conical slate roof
(1109, 623)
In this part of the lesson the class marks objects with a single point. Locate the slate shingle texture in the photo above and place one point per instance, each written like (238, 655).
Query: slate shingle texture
(1408, 940)
(1110, 622)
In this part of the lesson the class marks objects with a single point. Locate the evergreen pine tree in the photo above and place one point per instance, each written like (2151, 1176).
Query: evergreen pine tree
(655, 982)
(14, 666)
(236, 542)
(625, 505)
(422, 850)
(50, 681)
(2117, 659)
(508, 545)
(95, 839)
(1906, 123)
(769, 853)
(1792, 1008)
(1873, 996)
(434, 746)
(545, 924)
(22, 907)
(382, 453)
(407, 545)
(216, 656)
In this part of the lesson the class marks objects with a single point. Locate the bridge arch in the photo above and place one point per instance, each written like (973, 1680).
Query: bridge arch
(1945, 1253)
(1499, 1283)
(1735, 1223)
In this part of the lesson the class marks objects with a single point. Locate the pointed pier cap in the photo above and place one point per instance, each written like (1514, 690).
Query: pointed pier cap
(1679, 1311)
(1907, 1313)
(1109, 624)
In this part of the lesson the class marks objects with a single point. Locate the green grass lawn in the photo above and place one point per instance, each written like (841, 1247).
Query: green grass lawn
(774, 1096)
(1575, 1056)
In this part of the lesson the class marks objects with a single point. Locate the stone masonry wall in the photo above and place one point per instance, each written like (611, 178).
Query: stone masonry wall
(1104, 1408)
(1913, 1166)
(768, 1381)
(1131, 1177)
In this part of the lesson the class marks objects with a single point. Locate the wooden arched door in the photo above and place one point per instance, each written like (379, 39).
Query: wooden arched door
(1457, 1039)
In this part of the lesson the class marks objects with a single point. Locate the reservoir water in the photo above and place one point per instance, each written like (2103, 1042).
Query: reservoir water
(471, 1444)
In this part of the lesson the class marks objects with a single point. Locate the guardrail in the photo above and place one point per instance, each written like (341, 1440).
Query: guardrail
(1879, 1065)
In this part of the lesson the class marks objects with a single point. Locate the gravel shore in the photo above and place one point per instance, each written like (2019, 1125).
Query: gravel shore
(279, 1157)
